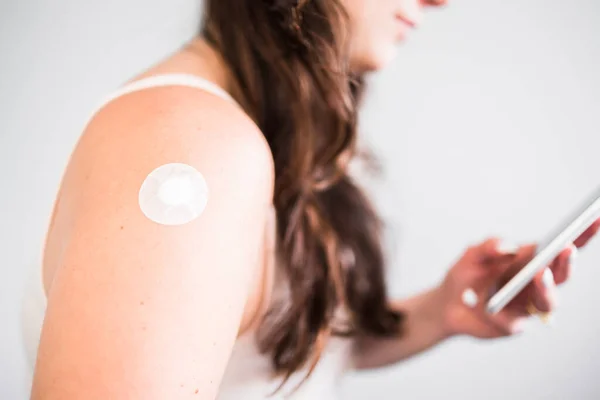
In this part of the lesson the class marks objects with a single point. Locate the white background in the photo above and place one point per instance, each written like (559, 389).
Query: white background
(487, 124)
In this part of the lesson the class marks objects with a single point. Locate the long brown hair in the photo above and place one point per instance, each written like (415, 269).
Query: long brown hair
(290, 61)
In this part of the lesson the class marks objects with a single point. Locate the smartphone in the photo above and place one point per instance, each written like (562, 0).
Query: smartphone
(577, 223)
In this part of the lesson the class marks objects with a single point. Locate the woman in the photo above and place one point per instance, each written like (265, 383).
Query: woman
(277, 284)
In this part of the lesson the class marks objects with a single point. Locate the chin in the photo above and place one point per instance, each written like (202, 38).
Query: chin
(377, 59)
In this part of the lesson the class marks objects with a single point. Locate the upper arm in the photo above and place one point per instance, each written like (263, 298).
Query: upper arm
(141, 310)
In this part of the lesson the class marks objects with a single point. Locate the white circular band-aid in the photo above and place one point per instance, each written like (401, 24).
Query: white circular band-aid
(173, 194)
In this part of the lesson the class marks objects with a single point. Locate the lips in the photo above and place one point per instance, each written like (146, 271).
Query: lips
(406, 20)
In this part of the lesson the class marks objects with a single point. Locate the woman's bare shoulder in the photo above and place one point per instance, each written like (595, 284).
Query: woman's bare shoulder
(139, 293)
(144, 129)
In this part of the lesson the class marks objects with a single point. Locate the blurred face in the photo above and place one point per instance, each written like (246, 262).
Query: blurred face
(379, 25)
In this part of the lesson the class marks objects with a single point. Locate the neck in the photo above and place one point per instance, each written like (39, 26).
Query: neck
(213, 67)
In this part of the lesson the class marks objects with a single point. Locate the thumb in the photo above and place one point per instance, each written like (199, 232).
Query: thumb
(500, 261)
(523, 256)
(502, 272)
(495, 249)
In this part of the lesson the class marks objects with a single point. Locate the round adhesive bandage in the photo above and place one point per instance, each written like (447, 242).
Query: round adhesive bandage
(173, 194)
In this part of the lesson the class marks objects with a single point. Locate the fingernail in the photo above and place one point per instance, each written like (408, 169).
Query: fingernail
(505, 247)
(548, 278)
(573, 255)
(470, 298)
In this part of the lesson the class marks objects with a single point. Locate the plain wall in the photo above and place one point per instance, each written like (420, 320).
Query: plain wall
(487, 124)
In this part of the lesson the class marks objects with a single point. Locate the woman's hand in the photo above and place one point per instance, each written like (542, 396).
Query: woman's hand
(457, 306)
(485, 268)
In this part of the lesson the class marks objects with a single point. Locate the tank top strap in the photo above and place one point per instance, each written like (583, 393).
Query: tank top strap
(173, 79)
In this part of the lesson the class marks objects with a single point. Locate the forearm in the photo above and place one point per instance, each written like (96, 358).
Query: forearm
(424, 328)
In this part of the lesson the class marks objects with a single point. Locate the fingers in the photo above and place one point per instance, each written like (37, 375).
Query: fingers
(486, 262)
(525, 254)
(476, 323)
(543, 291)
(510, 321)
(563, 264)
(505, 323)
(589, 233)
(495, 250)
(492, 264)
(491, 328)
(487, 266)
(507, 270)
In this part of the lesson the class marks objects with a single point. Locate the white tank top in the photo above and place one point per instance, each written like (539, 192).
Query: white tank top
(249, 375)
